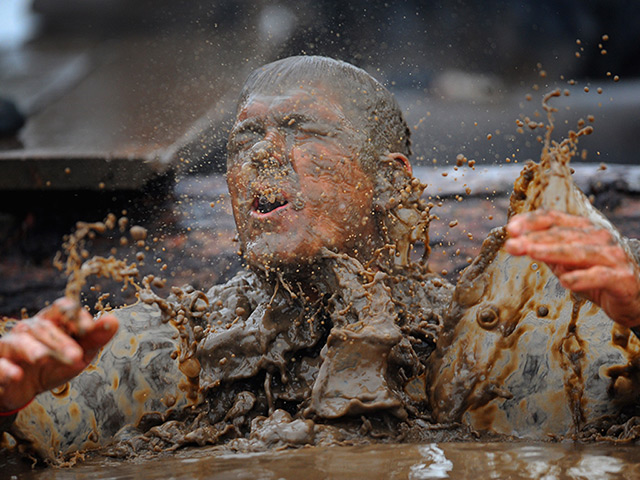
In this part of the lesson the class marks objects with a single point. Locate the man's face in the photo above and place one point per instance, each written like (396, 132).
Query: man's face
(295, 179)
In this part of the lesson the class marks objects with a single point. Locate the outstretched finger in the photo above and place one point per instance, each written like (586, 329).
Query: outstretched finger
(69, 315)
(22, 348)
(9, 372)
(101, 331)
(542, 220)
(569, 255)
(621, 283)
(567, 235)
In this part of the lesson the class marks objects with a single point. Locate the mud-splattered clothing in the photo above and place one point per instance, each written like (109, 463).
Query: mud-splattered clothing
(202, 367)
(521, 355)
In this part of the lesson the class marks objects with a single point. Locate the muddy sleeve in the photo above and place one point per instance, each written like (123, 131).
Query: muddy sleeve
(134, 376)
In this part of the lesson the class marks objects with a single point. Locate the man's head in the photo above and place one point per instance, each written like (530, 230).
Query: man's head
(364, 100)
(318, 150)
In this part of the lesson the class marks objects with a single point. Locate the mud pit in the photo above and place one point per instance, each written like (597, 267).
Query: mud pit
(216, 367)
(445, 460)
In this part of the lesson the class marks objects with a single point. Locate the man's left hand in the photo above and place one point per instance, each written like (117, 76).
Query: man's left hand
(586, 258)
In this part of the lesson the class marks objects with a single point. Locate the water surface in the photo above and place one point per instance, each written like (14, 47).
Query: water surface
(445, 460)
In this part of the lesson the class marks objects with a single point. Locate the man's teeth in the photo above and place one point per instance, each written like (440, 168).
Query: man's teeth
(265, 204)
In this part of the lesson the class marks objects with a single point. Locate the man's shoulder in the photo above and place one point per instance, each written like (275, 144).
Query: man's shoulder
(244, 281)
(245, 290)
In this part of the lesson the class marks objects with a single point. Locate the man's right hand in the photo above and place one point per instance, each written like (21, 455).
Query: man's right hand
(40, 354)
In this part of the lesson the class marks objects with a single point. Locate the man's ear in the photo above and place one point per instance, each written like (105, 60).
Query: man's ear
(402, 160)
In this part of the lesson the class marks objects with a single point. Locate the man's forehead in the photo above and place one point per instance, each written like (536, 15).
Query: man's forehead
(302, 99)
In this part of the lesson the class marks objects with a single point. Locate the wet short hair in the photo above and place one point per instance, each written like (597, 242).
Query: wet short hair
(383, 123)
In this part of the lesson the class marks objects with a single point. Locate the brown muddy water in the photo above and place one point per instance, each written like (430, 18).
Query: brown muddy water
(425, 461)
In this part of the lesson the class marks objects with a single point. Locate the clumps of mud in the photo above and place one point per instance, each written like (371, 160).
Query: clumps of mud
(76, 262)
(279, 362)
(617, 429)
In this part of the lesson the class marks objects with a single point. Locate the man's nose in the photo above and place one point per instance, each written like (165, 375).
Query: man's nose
(268, 152)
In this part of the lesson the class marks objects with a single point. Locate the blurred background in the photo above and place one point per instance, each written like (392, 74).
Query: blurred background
(105, 103)
(97, 78)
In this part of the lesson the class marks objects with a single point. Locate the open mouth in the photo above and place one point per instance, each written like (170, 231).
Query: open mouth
(265, 204)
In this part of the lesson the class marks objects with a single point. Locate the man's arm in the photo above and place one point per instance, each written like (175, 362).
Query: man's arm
(587, 259)
(46, 351)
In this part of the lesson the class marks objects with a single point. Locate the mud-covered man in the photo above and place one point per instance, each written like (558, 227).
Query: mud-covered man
(331, 320)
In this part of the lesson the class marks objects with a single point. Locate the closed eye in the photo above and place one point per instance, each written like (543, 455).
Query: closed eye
(317, 129)
(306, 124)
(245, 134)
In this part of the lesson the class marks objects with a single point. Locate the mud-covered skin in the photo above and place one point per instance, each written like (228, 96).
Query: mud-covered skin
(295, 180)
(521, 355)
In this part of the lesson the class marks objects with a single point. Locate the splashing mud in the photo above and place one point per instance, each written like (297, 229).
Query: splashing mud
(345, 356)
(264, 359)
(78, 265)
(520, 355)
